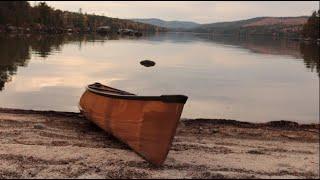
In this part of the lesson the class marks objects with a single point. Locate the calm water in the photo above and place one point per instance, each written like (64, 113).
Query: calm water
(253, 80)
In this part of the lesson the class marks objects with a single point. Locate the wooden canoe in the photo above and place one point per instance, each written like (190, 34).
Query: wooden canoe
(146, 123)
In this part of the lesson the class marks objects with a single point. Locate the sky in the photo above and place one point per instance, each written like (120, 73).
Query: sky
(197, 11)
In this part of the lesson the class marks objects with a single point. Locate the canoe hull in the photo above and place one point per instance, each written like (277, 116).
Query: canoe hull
(147, 126)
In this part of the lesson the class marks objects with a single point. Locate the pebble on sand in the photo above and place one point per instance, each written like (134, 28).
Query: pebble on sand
(39, 126)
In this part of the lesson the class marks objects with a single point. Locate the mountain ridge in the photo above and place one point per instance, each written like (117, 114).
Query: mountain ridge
(157, 21)
(265, 25)
(175, 24)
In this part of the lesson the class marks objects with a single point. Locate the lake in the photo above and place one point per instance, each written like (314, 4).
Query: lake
(248, 79)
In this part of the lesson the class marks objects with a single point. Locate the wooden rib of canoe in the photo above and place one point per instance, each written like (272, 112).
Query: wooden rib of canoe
(146, 123)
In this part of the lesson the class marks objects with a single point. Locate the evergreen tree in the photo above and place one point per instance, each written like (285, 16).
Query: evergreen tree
(311, 28)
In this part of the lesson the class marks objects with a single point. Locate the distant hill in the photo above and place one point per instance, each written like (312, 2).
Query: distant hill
(258, 21)
(290, 26)
(278, 20)
(260, 25)
(168, 24)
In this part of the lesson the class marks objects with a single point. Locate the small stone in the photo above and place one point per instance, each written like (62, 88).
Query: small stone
(39, 126)
(213, 131)
(255, 152)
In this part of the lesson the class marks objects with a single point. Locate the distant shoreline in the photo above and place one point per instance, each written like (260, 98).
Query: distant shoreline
(143, 33)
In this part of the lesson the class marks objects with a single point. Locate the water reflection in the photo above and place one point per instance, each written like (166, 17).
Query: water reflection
(14, 52)
(262, 45)
(225, 77)
(310, 53)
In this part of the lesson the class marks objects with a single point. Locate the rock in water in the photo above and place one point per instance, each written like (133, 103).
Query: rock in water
(147, 63)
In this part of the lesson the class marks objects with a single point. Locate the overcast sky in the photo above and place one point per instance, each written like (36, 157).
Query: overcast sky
(198, 11)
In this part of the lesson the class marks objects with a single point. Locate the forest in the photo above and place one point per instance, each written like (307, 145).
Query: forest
(21, 16)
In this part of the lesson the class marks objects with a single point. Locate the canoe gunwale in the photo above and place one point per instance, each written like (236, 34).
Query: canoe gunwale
(164, 98)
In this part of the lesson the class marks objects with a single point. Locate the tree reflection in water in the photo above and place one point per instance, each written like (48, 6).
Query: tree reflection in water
(310, 54)
(15, 50)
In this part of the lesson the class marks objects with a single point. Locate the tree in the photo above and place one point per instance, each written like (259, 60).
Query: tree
(42, 14)
(311, 28)
(15, 13)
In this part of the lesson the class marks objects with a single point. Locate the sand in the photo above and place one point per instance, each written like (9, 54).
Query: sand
(65, 145)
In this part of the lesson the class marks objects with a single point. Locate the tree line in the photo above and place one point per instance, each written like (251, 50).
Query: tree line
(43, 17)
(311, 28)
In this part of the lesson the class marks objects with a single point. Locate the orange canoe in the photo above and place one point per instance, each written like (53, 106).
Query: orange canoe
(146, 123)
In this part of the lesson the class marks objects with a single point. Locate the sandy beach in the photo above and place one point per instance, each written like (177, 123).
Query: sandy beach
(47, 144)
